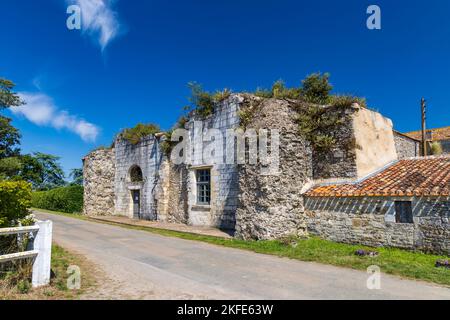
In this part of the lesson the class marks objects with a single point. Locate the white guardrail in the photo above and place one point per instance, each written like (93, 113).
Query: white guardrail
(39, 248)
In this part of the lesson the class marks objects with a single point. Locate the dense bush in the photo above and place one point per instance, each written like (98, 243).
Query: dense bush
(15, 200)
(66, 199)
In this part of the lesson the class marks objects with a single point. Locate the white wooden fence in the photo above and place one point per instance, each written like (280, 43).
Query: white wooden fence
(39, 248)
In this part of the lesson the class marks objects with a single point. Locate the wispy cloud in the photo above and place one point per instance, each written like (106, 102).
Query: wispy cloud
(98, 20)
(41, 110)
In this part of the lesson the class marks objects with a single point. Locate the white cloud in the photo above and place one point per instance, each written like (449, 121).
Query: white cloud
(98, 20)
(41, 110)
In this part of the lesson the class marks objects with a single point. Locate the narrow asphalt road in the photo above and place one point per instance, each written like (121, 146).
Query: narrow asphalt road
(142, 265)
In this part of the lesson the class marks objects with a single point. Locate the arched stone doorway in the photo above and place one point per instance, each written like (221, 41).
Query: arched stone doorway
(136, 180)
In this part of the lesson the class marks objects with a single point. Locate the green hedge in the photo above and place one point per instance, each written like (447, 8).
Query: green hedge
(15, 200)
(65, 199)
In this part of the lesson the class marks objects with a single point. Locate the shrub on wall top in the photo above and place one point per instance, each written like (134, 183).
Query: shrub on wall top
(135, 134)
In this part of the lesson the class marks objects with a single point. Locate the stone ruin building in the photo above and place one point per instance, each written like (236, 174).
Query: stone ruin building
(369, 188)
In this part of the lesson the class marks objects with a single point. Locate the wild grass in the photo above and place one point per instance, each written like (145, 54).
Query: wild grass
(15, 284)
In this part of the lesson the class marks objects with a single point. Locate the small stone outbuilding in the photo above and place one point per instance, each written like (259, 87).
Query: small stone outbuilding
(405, 205)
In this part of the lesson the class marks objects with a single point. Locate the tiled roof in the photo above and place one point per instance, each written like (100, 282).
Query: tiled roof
(437, 134)
(428, 176)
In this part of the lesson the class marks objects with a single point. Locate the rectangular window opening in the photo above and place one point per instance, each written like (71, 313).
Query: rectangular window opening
(203, 186)
(403, 212)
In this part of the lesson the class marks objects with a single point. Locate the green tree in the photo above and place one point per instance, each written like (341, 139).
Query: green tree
(10, 168)
(31, 170)
(8, 98)
(9, 136)
(47, 171)
(77, 176)
(9, 139)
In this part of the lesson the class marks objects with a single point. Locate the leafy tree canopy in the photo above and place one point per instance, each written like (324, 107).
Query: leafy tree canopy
(8, 98)
(9, 139)
(48, 170)
(42, 170)
(77, 176)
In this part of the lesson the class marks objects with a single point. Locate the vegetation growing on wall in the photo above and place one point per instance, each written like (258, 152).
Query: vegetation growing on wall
(316, 124)
(203, 102)
(135, 134)
(314, 119)
(167, 144)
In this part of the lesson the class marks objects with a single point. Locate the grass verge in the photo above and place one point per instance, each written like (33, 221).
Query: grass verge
(407, 264)
(17, 285)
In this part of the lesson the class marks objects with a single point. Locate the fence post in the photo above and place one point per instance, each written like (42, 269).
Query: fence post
(43, 244)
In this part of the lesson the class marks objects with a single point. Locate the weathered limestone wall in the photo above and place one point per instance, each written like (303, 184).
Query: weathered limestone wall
(374, 140)
(148, 156)
(406, 147)
(371, 221)
(98, 175)
(224, 187)
(271, 206)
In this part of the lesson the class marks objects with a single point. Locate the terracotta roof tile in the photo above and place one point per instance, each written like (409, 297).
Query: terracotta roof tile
(428, 176)
(438, 134)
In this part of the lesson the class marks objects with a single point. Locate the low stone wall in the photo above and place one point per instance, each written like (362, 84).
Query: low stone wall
(371, 221)
(98, 175)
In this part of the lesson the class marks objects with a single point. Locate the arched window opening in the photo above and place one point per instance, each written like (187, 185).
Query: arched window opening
(136, 174)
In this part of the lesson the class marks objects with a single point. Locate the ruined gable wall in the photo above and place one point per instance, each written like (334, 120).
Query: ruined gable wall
(364, 143)
(271, 206)
(374, 140)
(98, 176)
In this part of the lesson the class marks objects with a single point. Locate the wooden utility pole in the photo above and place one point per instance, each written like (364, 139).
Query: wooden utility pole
(424, 118)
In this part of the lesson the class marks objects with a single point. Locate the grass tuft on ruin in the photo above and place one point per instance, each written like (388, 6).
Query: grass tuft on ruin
(137, 133)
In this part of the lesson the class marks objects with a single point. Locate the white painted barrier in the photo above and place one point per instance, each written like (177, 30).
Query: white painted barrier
(39, 248)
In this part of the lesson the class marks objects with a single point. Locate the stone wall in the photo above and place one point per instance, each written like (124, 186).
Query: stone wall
(148, 156)
(405, 146)
(371, 221)
(271, 206)
(445, 146)
(173, 198)
(224, 188)
(340, 161)
(98, 175)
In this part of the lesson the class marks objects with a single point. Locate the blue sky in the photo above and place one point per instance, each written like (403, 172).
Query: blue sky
(132, 59)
